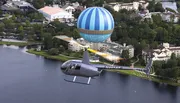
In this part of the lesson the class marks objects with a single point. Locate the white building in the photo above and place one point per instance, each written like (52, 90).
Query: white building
(51, 13)
(145, 14)
(74, 46)
(163, 52)
(117, 49)
(75, 5)
(171, 5)
(129, 6)
(170, 17)
(69, 8)
(95, 46)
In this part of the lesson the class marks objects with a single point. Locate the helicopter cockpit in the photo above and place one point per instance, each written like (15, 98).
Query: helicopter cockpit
(69, 65)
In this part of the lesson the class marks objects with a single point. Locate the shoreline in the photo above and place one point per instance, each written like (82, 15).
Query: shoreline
(14, 43)
(129, 72)
(45, 55)
(152, 78)
(63, 58)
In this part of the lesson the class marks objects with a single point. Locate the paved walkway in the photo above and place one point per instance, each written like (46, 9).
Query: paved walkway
(14, 40)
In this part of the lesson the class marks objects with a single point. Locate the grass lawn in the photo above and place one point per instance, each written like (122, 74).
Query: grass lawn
(59, 57)
(44, 54)
(13, 43)
(144, 76)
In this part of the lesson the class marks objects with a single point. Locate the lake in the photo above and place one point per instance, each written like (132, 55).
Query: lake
(27, 78)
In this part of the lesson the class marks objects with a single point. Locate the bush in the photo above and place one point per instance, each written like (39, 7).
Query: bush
(53, 51)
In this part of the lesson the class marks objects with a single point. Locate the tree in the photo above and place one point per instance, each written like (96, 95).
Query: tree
(177, 35)
(77, 13)
(76, 34)
(178, 62)
(99, 2)
(8, 23)
(28, 23)
(47, 41)
(38, 3)
(151, 6)
(158, 7)
(113, 36)
(173, 56)
(53, 51)
(1, 12)
(49, 2)
(162, 35)
(157, 19)
(171, 63)
(2, 27)
(151, 35)
(20, 29)
(35, 16)
(21, 36)
(154, 45)
(125, 54)
(61, 48)
(38, 30)
(143, 44)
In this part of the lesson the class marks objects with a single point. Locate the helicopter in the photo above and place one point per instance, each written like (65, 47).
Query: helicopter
(83, 68)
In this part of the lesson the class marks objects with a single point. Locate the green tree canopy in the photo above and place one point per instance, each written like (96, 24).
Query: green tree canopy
(125, 54)
(20, 29)
(38, 3)
(47, 41)
(158, 7)
(53, 51)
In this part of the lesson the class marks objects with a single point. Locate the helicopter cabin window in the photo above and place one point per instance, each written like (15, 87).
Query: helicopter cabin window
(77, 67)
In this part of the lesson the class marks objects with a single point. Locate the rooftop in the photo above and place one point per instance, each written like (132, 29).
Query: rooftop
(21, 3)
(51, 10)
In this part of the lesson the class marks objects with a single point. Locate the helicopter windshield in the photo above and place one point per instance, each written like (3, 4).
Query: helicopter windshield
(70, 65)
(65, 65)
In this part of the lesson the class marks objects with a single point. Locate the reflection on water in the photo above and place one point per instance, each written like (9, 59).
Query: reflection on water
(10, 46)
(166, 88)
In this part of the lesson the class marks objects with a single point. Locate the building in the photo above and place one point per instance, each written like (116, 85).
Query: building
(74, 46)
(145, 14)
(95, 46)
(52, 13)
(170, 17)
(117, 49)
(69, 9)
(109, 47)
(17, 5)
(172, 5)
(75, 5)
(8, 7)
(163, 52)
(128, 6)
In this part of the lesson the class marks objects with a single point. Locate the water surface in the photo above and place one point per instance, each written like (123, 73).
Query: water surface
(26, 78)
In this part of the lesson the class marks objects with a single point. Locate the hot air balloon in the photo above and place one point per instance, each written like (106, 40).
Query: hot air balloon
(95, 24)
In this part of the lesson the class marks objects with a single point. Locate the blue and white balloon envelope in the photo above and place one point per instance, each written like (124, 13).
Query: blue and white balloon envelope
(95, 24)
